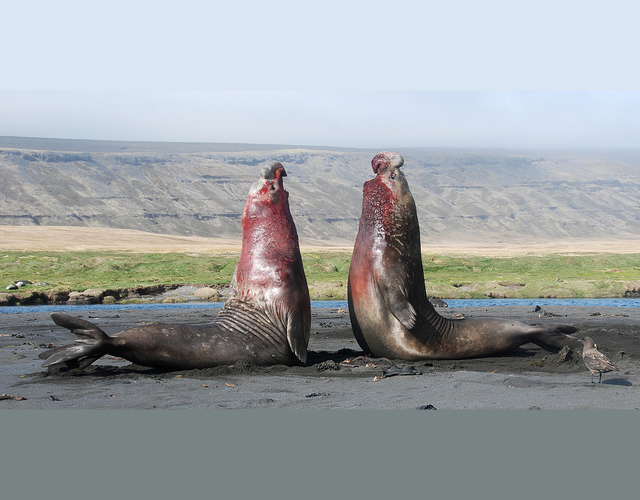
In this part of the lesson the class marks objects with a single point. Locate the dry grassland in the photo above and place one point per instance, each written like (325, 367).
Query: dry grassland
(70, 239)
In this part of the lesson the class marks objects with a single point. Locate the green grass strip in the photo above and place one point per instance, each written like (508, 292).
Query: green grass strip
(447, 276)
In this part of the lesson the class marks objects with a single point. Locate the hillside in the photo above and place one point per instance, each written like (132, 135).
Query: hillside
(183, 189)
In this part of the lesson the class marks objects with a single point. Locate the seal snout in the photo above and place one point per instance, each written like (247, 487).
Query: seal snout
(273, 170)
(385, 160)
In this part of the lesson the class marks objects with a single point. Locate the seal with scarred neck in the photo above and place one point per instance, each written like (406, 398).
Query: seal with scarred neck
(390, 313)
(265, 320)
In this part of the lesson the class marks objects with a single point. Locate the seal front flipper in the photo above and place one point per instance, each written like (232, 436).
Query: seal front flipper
(296, 338)
(92, 343)
(398, 303)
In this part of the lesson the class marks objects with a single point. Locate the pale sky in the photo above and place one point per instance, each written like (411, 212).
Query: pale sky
(370, 74)
(361, 119)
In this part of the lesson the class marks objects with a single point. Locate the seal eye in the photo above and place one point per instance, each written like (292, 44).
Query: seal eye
(273, 188)
(393, 176)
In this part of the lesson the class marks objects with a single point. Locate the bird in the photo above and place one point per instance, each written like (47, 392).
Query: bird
(596, 361)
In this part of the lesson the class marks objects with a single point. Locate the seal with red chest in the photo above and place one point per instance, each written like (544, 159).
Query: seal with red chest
(265, 320)
(390, 314)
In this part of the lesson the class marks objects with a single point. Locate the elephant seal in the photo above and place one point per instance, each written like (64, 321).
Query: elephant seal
(265, 320)
(390, 313)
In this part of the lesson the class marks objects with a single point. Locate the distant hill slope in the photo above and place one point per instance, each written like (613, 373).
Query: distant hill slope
(200, 189)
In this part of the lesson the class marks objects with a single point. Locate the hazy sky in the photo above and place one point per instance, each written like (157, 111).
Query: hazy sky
(331, 118)
(345, 73)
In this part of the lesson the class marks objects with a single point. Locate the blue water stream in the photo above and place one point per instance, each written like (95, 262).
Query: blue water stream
(333, 304)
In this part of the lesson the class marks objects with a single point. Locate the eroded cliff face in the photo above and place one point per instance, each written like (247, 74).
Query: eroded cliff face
(200, 189)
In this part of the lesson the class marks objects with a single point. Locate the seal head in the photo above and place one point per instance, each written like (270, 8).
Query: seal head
(386, 160)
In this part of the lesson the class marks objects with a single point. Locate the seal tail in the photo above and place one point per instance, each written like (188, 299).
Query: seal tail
(91, 344)
(556, 337)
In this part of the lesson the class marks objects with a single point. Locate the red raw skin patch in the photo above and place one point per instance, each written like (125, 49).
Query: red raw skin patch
(270, 240)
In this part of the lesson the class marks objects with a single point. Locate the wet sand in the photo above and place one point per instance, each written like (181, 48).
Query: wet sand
(336, 375)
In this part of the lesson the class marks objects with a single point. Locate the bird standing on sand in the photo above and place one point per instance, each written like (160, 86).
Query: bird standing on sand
(595, 360)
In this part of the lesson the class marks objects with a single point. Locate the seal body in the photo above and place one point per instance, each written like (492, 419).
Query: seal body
(265, 320)
(390, 313)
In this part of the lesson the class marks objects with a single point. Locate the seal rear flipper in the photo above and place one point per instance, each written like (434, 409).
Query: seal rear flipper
(556, 337)
(50, 352)
(92, 344)
(80, 327)
(566, 329)
(70, 363)
(72, 357)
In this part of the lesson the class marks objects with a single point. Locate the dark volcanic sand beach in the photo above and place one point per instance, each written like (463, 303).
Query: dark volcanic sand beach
(336, 374)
